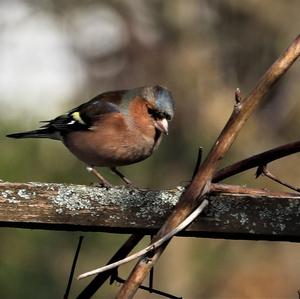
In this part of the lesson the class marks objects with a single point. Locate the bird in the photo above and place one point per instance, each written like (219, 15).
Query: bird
(115, 128)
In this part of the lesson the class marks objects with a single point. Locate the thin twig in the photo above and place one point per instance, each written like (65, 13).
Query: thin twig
(255, 161)
(152, 246)
(243, 190)
(238, 97)
(151, 275)
(66, 295)
(97, 282)
(271, 176)
(198, 163)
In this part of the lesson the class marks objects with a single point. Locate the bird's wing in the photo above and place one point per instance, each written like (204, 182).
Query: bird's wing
(84, 116)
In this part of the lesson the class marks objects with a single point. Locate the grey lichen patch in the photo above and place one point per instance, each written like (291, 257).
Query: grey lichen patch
(59, 210)
(52, 187)
(23, 193)
(282, 227)
(265, 214)
(217, 208)
(113, 217)
(75, 198)
(277, 227)
(158, 202)
(72, 198)
(243, 218)
(14, 196)
(170, 197)
(9, 196)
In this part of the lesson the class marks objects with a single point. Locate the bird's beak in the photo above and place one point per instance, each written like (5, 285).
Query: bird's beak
(162, 125)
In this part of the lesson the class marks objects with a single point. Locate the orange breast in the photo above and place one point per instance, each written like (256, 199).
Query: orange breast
(113, 141)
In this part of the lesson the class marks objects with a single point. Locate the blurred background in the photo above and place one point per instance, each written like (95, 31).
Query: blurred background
(56, 54)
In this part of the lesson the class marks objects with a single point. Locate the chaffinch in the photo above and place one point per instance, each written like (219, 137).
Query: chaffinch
(113, 129)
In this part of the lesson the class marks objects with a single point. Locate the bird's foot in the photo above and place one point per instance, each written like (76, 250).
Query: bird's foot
(128, 183)
(102, 181)
(104, 185)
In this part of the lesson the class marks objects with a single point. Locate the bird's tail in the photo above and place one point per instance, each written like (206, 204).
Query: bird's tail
(41, 133)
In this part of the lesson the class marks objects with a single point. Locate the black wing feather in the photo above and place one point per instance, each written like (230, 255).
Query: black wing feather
(88, 113)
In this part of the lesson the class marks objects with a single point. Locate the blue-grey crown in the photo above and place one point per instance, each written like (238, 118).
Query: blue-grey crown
(161, 98)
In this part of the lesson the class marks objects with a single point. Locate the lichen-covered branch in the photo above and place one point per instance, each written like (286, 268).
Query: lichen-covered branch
(79, 207)
(234, 211)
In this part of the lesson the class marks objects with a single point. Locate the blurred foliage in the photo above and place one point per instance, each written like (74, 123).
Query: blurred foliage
(202, 51)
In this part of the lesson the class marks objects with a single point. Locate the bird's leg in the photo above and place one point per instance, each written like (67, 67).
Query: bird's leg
(102, 180)
(122, 176)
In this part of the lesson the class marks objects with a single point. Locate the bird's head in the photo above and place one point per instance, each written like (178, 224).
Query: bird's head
(160, 106)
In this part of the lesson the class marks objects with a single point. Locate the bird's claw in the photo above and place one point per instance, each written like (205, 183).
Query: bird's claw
(104, 185)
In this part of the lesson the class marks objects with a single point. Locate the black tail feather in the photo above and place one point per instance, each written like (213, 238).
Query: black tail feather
(41, 133)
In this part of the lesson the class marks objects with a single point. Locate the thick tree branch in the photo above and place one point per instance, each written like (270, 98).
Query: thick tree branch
(234, 212)
(192, 196)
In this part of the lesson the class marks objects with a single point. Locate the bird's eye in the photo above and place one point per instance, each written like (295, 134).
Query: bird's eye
(158, 115)
(150, 111)
(153, 113)
(168, 117)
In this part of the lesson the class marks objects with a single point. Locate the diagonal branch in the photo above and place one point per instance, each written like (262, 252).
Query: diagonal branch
(201, 182)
